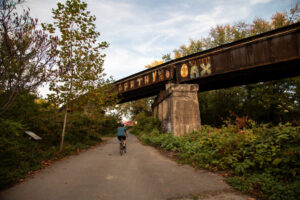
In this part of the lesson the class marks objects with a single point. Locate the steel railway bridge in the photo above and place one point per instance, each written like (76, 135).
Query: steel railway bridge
(268, 56)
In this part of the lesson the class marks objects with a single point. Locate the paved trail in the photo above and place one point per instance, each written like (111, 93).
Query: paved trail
(101, 173)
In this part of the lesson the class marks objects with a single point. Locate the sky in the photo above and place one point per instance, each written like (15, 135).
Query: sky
(141, 31)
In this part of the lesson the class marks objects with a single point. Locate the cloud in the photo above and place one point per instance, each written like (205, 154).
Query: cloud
(137, 37)
(41, 9)
(142, 31)
(148, 39)
(122, 63)
(253, 2)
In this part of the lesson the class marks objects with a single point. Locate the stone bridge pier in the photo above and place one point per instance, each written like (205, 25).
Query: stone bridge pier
(177, 107)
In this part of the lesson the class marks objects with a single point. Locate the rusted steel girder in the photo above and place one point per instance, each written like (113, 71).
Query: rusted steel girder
(268, 56)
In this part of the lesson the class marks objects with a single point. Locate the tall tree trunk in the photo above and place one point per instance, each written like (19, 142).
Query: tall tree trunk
(66, 113)
(63, 131)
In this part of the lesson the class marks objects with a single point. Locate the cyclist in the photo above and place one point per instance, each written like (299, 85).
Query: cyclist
(122, 134)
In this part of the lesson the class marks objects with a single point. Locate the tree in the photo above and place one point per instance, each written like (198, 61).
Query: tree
(240, 31)
(134, 108)
(194, 47)
(154, 63)
(80, 61)
(273, 101)
(142, 106)
(166, 57)
(294, 14)
(220, 35)
(259, 25)
(279, 20)
(26, 53)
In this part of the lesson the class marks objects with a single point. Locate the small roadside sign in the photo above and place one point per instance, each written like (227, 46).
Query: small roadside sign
(33, 135)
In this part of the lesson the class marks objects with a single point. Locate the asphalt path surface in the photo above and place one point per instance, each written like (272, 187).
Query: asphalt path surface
(102, 173)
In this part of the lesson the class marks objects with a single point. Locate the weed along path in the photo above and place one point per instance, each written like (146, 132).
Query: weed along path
(101, 173)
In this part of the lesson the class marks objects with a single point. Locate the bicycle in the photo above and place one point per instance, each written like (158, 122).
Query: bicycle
(122, 147)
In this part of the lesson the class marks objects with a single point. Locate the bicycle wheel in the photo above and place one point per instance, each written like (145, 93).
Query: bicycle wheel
(121, 148)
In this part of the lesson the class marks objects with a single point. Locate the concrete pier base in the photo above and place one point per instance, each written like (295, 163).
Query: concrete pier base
(177, 108)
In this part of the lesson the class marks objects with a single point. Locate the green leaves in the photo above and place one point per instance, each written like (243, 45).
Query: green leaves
(269, 102)
(276, 161)
(79, 77)
(26, 53)
(222, 34)
(267, 156)
(263, 102)
(80, 60)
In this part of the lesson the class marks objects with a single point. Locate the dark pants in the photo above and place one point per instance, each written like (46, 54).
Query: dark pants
(122, 138)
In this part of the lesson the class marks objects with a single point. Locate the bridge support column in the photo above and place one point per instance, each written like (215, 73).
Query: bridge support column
(177, 108)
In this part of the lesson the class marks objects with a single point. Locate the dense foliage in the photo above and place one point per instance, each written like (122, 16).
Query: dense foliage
(260, 159)
(80, 72)
(138, 109)
(273, 102)
(26, 53)
(20, 154)
(146, 124)
(270, 102)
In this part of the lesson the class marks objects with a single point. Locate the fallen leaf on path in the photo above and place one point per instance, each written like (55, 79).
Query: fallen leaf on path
(109, 177)
(45, 163)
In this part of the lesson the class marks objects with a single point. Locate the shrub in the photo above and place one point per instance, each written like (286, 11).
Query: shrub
(261, 159)
(12, 145)
(19, 155)
(146, 125)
